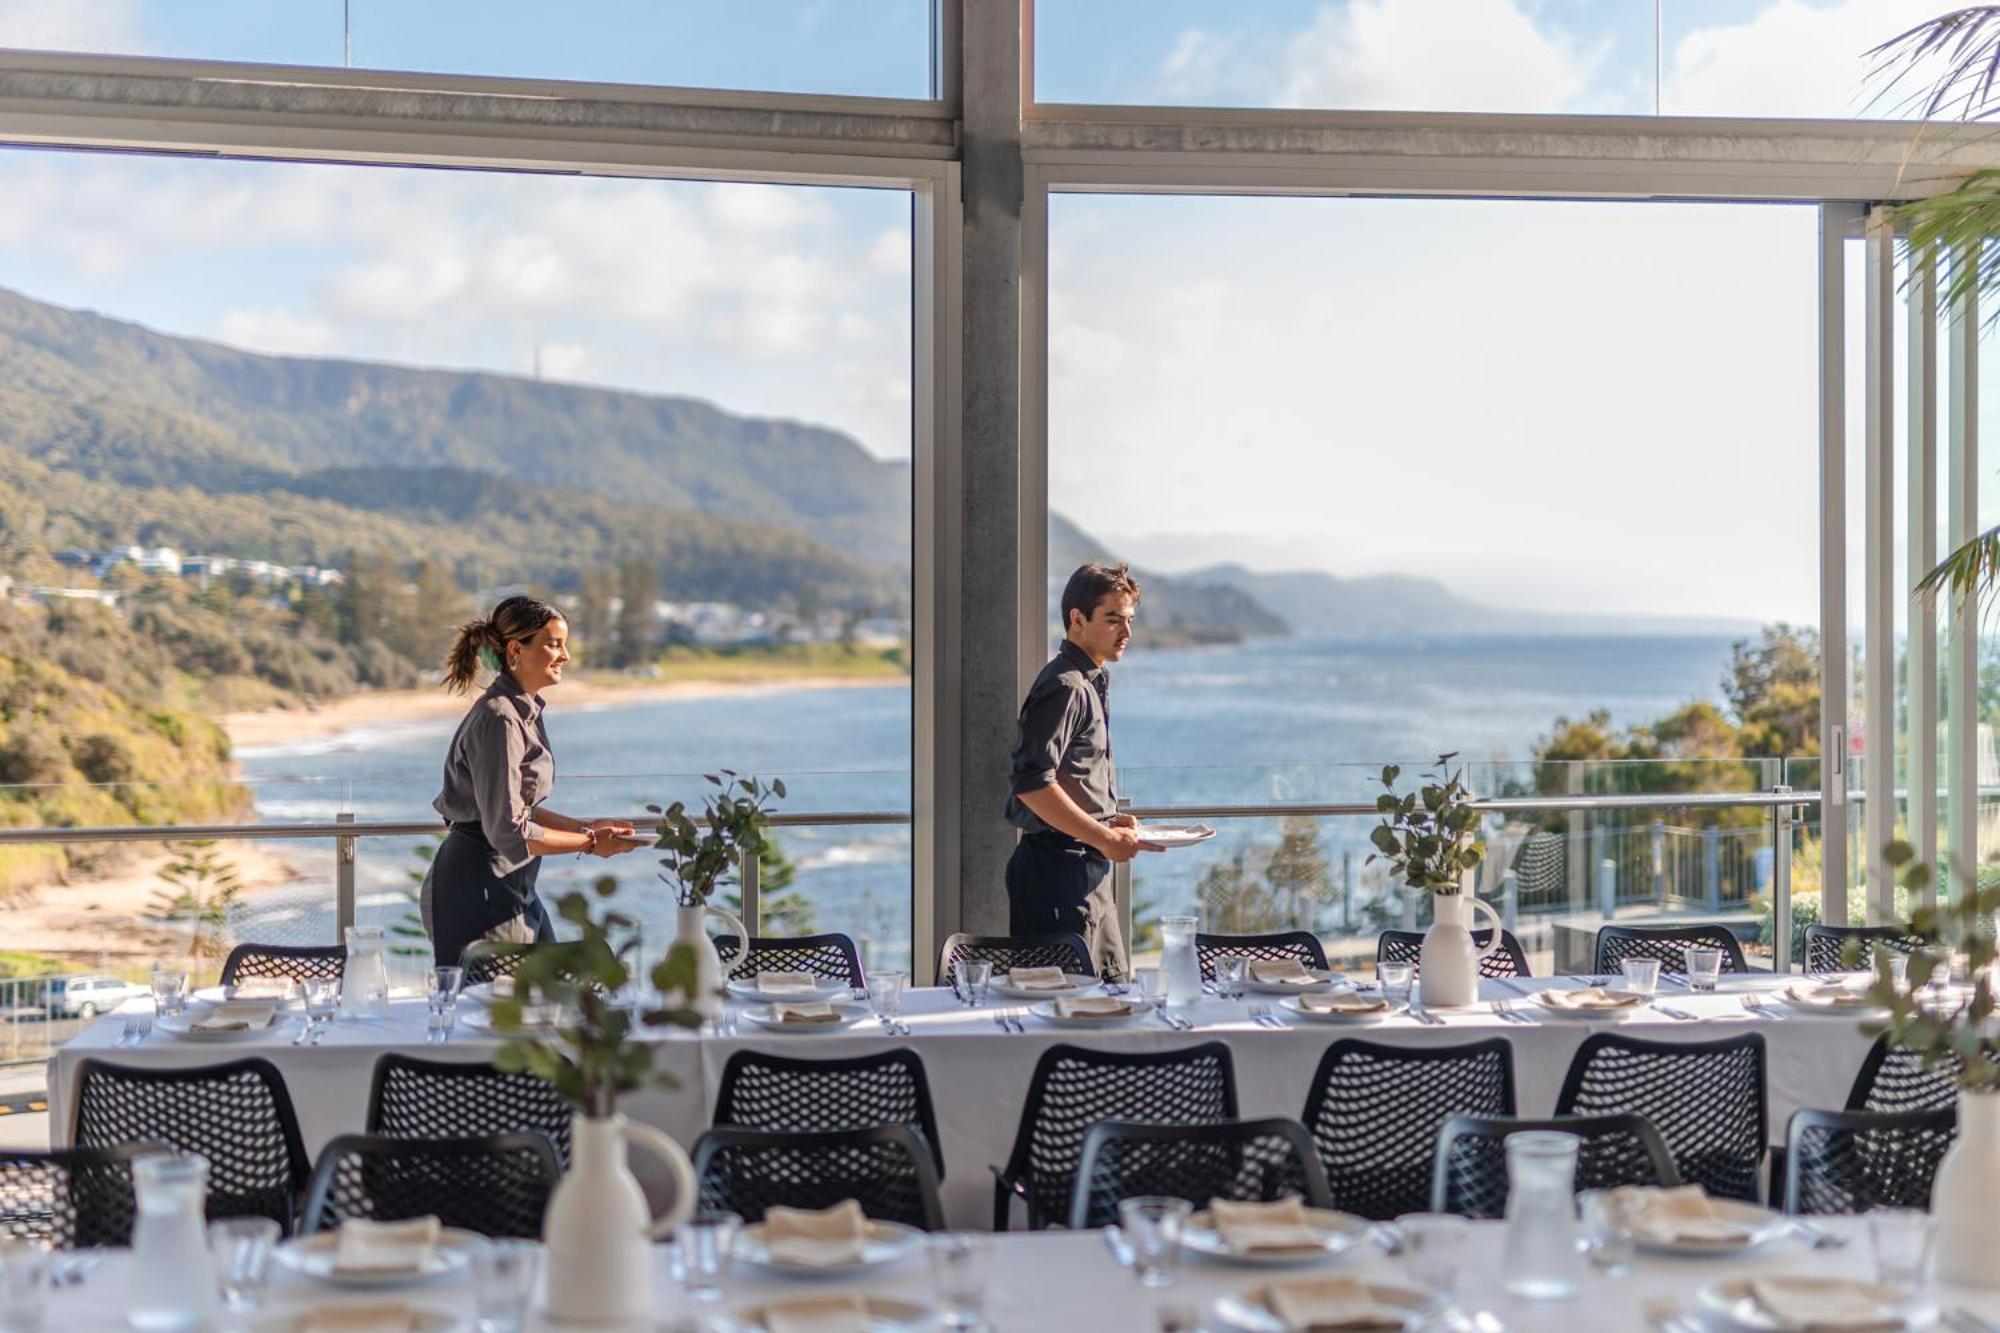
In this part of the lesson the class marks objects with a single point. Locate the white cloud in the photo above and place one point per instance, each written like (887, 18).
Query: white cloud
(564, 361)
(890, 254)
(1789, 59)
(1396, 54)
(278, 331)
(72, 25)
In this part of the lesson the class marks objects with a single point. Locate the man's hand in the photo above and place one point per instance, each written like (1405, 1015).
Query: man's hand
(1119, 842)
(1124, 821)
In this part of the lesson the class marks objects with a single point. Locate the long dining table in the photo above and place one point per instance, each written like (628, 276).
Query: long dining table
(979, 1070)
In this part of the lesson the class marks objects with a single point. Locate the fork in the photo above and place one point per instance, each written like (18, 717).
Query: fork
(1423, 1015)
(1755, 1005)
(318, 1033)
(1504, 1011)
(305, 1032)
(1671, 1012)
(1261, 1015)
(1173, 1021)
(130, 1036)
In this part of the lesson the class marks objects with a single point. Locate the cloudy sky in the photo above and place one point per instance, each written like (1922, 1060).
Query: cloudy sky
(1574, 406)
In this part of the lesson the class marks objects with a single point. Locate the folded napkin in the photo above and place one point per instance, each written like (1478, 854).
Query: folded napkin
(1591, 997)
(362, 1246)
(396, 1318)
(810, 1011)
(1830, 995)
(1323, 1305)
(1281, 972)
(1825, 1304)
(816, 1237)
(1038, 978)
(260, 988)
(1682, 1215)
(236, 1016)
(1343, 1002)
(1265, 1228)
(787, 983)
(1093, 1006)
(817, 1314)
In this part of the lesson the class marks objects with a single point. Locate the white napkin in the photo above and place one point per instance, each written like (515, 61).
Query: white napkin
(816, 1237)
(1092, 1006)
(1038, 978)
(1278, 1226)
(1281, 972)
(1323, 1305)
(817, 1314)
(1680, 1215)
(1828, 995)
(362, 1246)
(1825, 1304)
(1590, 998)
(1343, 1002)
(812, 1011)
(236, 1016)
(787, 983)
(397, 1318)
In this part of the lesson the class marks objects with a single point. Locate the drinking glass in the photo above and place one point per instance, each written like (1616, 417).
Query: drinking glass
(322, 998)
(1902, 1241)
(24, 1288)
(958, 1275)
(241, 1247)
(1607, 1228)
(441, 985)
(1642, 975)
(1899, 971)
(1229, 971)
(169, 991)
(503, 1283)
(1433, 1250)
(885, 994)
(1151, 1227)
(1704, 966)
(1395, 979)
(1151, 982)
(704, 1241)
(970, 976)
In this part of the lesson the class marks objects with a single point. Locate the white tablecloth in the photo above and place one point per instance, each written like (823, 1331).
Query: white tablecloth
(979, 1074)
(1053, 1281)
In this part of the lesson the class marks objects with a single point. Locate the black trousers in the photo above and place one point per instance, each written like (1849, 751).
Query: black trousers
(1057, 888)
(465, 899)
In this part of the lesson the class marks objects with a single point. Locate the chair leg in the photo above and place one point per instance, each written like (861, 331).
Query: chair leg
(1002, 1197)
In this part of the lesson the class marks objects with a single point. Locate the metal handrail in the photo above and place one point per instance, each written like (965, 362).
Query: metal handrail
(354, 829)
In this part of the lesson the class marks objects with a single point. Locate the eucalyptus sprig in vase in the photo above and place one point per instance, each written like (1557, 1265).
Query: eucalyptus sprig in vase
(1430, 838)
(701, 856)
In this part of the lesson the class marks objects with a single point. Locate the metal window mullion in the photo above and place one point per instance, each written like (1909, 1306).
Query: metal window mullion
(1962, 649)
(1921, 684)
(1879, 565)
(1837, 221)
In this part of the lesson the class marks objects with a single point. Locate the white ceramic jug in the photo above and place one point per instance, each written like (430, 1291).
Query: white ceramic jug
(1448, 963)
(1962, 1197)
(171, 1281)
(690, 931)
(599, 1228)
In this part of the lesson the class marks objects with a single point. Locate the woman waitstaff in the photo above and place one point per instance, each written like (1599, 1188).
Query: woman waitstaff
(481, 884)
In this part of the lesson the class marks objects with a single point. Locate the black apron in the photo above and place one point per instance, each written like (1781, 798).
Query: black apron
(468, 899)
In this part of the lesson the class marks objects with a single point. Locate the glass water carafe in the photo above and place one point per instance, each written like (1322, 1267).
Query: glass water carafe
(172, 1285)
(1543, 1257)
(364, 981)
(1178, 965)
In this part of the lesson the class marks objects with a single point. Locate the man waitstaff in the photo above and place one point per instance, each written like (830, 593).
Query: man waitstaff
(1065, 790)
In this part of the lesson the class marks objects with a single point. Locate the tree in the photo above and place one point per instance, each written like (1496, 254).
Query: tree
(1233, 901)
(638, 587)
(203, 891)
(591, 627)
(1773, 691)
(1297, 871)
(782, 908)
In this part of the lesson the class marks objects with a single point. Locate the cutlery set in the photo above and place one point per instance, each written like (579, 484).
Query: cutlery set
(1264, 1017)
(1009, 1020)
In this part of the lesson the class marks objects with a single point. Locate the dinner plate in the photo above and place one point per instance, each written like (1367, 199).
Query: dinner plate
(1761, 1227)
(746, 989)
(181, 1028)
(485, 993)
(847, 1015)
(312, 1256)
(1731, 1301)
(1249, 1312)
(1324, 979)
(1338, 1232)
(220, 995)
(1547, 1010)
(886, 1314)
(1078, 984)
(1167, 836)
(1351, 1019)
(885, 1243)
(481, 1019)
(298, 1321)
(1814, 1009)
(1046, 1011)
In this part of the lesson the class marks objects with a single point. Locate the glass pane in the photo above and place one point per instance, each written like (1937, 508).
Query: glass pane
(878, 48)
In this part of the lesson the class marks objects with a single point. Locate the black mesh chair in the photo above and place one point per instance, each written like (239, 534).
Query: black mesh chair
(1375, 1111)
(1855, 1161)
(761, 1091)
(1893, 1079)
(1007, 952)
(1073, 1088)
(1406, 946)
(484, 961)
(71, 1198)
(1823, 949)
(1706, 1098)
(237, 1115)
(886, 1168)
(444, 1099)
(496, 1185)
(303, 962)
(1252, 1161)
(830, 957)
(1471, 1177)
(1669, 944)
(1300, 945)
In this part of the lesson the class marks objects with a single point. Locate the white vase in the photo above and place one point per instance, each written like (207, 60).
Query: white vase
(1448, 963)
(691, 933)
(599, 1229)
(1968, 1180)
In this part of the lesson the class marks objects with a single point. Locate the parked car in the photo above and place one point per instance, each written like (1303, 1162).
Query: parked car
(89, 996)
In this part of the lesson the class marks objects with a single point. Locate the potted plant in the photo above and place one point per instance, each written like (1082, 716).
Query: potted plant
(1952, 1028)
(568, 1025)
(701, 856)
(1430, 838)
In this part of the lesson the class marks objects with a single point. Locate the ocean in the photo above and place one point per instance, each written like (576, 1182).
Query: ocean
(1272, 721)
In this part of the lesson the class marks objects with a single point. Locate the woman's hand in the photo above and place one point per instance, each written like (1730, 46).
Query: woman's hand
(614, 838)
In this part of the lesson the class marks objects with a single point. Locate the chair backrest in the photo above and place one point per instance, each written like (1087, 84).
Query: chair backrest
(1300, 945)
(71, 1198)
(1406, 946)
(886, 1168)
(1669, 944)
(831, 957)
(1893, 1079)
(1706, 1098)
(483, 961)
(237, 1115)
(1240, 1160)
(1007, 952)
(762, 1091)
(446, 1099)
(1374, 1112)
(1073, 1088)
(294, 962)
(1855, 1161)
(1471, 1177)
(1823, 949)
(496, 1184)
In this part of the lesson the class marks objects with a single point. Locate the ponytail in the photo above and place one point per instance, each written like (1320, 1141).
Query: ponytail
(483, 643)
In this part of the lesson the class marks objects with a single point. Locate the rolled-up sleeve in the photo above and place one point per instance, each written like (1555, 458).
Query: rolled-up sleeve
(1049, 721)
(497, 751)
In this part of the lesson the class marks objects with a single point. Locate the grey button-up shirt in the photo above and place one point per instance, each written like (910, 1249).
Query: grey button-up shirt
(1064, 737)
(499, 768)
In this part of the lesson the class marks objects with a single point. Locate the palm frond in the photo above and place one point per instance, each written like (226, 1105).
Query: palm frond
(1968, 572)
(1959, 224)
(1967, 40)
